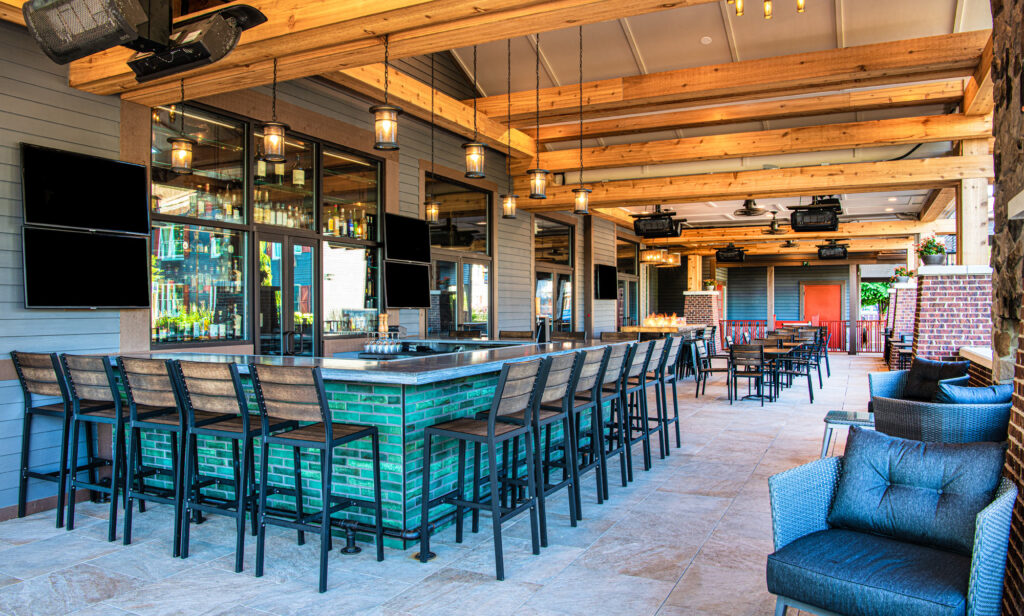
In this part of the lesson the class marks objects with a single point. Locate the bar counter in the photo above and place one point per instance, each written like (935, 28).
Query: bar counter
(401, 397)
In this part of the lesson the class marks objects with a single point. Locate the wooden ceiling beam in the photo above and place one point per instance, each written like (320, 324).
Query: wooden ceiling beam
(910, 174)
(776, 248)
(895, 131)
(755, 233)
(943, 92)
(10, 10)
(978, 97)
(938, 201)
(310, 39)
(922, 59)
(413, 96)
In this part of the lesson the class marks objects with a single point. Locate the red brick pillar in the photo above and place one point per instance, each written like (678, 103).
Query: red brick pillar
(903, 307)
(954, 310)
(702, 307)
(1013, 596)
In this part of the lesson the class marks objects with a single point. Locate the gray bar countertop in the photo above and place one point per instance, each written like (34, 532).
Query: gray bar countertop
(409, 371)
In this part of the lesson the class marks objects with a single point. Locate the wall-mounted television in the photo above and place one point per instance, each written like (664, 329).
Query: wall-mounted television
(406, 239)
(66, 268)
(406, 285)
(67, 189)
(606, 280)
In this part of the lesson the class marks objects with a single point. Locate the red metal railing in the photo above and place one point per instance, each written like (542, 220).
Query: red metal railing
(870, 334)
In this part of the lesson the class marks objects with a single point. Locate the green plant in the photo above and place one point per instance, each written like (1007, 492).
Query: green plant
(710, 282)
(902, 271)
(931, 246)
(874, 294)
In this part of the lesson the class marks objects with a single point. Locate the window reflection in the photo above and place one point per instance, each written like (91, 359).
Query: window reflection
(349, 299)
(463, 216)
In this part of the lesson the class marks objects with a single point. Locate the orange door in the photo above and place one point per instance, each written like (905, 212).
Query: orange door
(823, 302)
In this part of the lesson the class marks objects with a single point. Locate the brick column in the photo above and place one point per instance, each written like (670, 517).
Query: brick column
(903, 307)
(954, 305)
(702, 307)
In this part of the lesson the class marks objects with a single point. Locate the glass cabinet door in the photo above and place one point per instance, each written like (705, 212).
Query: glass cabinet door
(350, 302)
(476, 294)
(303, 300)
(441, 314)
(284, 192)
(271, 317)
(350, 195)
(287, 302)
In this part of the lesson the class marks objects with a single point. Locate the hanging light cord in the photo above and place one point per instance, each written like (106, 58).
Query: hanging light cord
(508, 102)
(536, 137)
(581, 105)
(475, 92)
(273, 102)
(181, 112)
(431, 115)
(387, 39)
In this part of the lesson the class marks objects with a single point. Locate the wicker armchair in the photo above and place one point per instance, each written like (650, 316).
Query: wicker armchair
(933, 421)
(802, 497)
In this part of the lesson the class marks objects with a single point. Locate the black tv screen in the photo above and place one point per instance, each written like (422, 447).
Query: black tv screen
(406, 285)
(86, 192)
(406, 239)
(607, 280)
(79, 269)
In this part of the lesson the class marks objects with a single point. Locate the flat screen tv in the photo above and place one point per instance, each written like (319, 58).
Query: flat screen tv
(79, 269)
(67, 189)
(606, 279)
(406, 239)
(406, 285)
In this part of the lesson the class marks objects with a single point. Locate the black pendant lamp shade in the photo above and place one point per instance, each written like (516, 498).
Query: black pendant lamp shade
(508, 200)
(581, 195)
(475, 151)
(385, 117)
(273, 131)
(538, 177)
(181, 146)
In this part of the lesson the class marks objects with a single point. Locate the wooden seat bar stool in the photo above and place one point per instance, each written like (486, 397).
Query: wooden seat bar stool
(589, 440)
(517, 393)
(40, 377)
(152, 406)
(667, 375)
(95, 399)
(615, 438)
(634, 389)
(215, 406)
(296, 396)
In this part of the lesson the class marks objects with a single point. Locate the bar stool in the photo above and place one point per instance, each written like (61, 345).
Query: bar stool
(614, 441)
(39, 375)
(634, 402)
(653, 380)
(95, 399)
(517, 392)
(152, 406)
(295, 395)
(214, 402)
(666, 375)
(588, 441)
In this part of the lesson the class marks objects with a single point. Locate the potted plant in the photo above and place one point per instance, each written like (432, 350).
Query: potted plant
(710, 284)
(932, 251)
(902, 274)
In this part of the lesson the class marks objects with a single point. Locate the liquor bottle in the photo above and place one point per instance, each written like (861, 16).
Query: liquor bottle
(331, 229)
(351, 225)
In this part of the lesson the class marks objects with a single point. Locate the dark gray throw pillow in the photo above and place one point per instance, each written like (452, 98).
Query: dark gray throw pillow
(954, 394)
(924, 493)
(925, 374)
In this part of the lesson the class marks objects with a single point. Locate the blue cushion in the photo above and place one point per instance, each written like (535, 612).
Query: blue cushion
(855, 574)
(954, 394)
(926, 493)
(925, 374)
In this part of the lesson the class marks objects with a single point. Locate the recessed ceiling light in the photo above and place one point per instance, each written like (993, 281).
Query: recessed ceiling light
(892, 199)
(705, 40)
(888, 209)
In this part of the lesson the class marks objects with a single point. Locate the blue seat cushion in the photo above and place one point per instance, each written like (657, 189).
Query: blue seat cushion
(857, 574)
(954, 394)
(925, 493)
(925, 374)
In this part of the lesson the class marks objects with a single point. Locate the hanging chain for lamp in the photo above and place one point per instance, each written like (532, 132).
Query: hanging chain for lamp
(432, 207)
(181, 146)
(581, 195)
(538, 177)
(508, 200)
(274, 131)
(474, 149)
(385, 117)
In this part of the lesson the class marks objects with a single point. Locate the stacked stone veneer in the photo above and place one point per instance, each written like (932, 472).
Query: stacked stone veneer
(702, 307)
(904, 309)
(954, 305)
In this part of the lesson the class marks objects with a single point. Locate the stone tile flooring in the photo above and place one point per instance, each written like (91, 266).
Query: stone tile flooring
(689, 537)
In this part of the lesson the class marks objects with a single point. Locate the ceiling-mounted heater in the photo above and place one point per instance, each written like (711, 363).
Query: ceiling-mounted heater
(832, 250)
(821, 215)
(659, 223)
(730, 254)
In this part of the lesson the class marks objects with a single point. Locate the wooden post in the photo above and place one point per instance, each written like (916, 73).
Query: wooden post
(771, 298)
(972, 212)
(854, 309)
(693, 273)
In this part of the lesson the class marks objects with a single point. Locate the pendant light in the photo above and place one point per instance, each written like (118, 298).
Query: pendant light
(181, 146)
(767, 9)
(739, 8)
(385, 117)
(653, 256)
(274, 131)
(431, 207)
(474, 149)
(538, 177)
(800, 6)
(509, 199)
(581, 195)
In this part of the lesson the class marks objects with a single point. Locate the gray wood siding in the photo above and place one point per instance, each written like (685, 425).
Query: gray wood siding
(604, 254)
(787, 287)
(448, 75)
(748, 293)
(37, 106)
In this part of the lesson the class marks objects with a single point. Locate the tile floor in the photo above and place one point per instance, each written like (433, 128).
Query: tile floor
(689, 537)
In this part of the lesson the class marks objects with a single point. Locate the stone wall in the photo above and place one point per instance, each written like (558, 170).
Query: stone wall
(953, 310)
(1007, 250)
